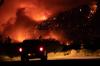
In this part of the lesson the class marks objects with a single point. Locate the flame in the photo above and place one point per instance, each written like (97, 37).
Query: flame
(18, 35)
(39, 15)
(40, 18)
(93, 7)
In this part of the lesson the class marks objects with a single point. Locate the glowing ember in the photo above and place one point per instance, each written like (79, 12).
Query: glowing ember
(93, 7)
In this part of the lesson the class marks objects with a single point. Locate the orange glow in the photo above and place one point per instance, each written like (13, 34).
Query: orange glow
(20, 34)
(20, 37)
(40, 18)
(38, 15)
(52, 35)
(93, 7)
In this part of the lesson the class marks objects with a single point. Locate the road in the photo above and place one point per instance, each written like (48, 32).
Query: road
(67, 55)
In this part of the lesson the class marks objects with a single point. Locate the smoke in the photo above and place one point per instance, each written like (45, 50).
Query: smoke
(14, 22)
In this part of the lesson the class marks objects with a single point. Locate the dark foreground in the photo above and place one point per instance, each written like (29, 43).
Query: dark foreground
(57, 62)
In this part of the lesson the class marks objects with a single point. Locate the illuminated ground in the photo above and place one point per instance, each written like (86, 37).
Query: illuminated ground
(72, 54)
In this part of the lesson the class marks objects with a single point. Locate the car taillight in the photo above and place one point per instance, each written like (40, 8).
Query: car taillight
(20, 49)
(41, 49)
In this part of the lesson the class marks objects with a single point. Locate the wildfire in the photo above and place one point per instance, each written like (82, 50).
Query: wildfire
(39, 15)
(93, 7)
(39, 18)
(55, 35)
(19, 35)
